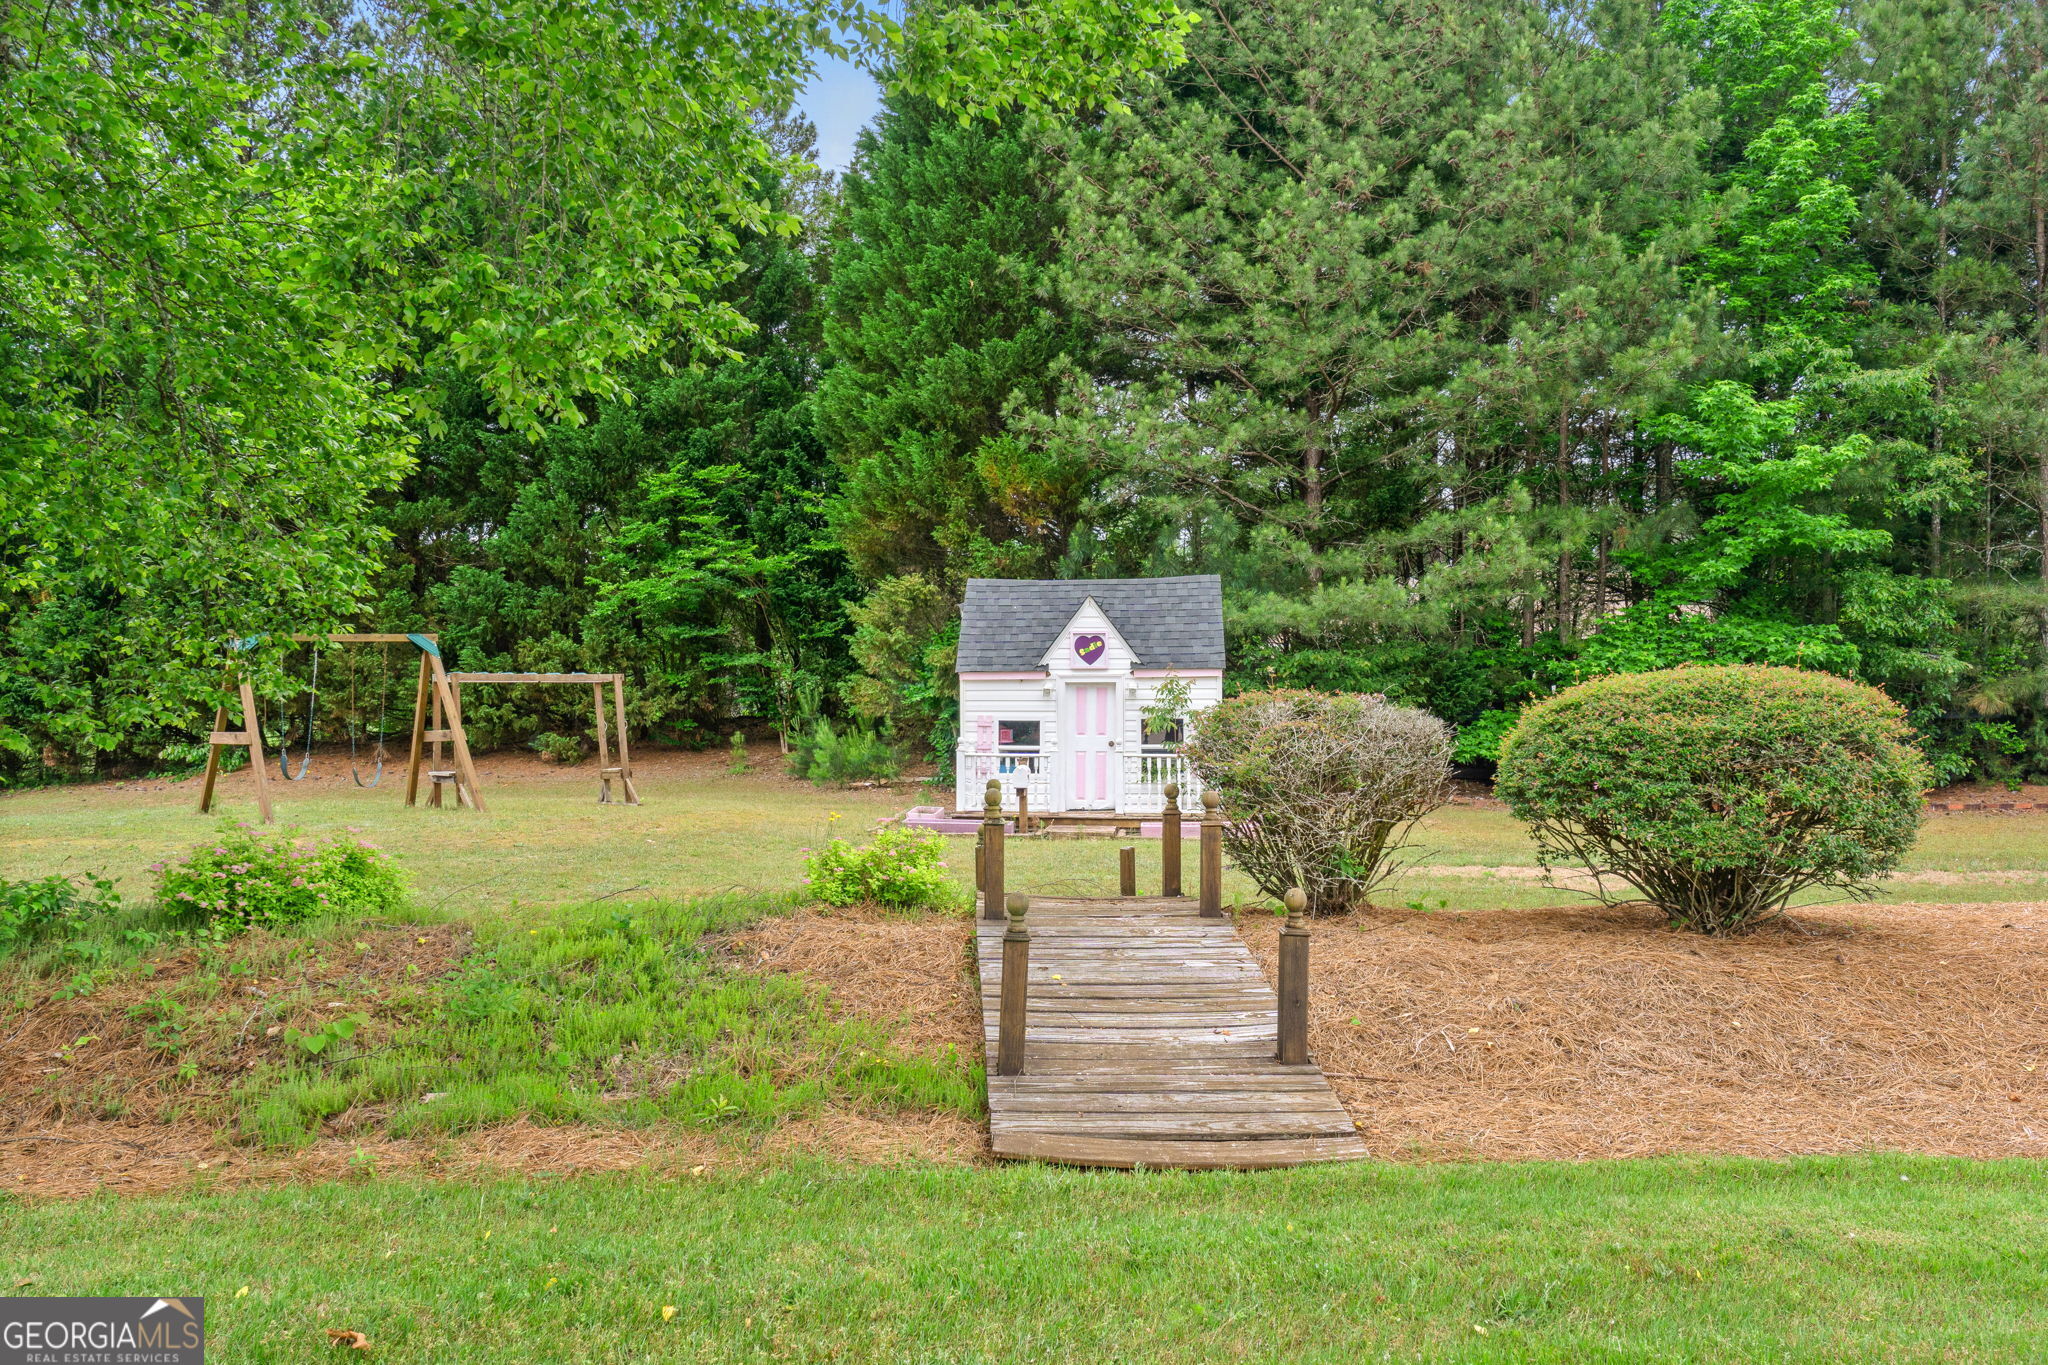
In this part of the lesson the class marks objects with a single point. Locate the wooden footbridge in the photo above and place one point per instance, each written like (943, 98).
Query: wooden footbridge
(1135, 1031)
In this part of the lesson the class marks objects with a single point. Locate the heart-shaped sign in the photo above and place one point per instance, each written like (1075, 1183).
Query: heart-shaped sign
(1089, 649)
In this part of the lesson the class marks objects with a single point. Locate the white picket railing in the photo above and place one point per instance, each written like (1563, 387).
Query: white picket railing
(1145, 779)
(973, 770)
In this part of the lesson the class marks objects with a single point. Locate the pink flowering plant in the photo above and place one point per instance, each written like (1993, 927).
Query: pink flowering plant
(903, 869)
(246, 877)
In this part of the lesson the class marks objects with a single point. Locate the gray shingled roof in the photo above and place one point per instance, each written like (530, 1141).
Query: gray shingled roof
(1008, 623)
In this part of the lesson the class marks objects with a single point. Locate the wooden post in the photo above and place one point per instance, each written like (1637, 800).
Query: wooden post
(250, 735)
(419, 732)
(1293, 1049)
(625, 753)
(1169, 842)
(980, 847)
(1212, 855)
(992, 851)
(256, 761)
(1024, 810)
(1012, 1016)
(213, 747)
(451, 707)
(604, 757)
(1127, 871)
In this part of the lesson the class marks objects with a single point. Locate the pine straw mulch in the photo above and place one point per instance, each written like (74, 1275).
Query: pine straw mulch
(914, 975)
(1601, 1032)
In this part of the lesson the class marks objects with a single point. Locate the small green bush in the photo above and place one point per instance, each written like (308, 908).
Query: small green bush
(246, 877)
(52, 906)
(558, 748)
(1719, 793)
(902, 869)
(827, 754)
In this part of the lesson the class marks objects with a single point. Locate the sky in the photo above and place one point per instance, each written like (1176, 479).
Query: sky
(840, 98)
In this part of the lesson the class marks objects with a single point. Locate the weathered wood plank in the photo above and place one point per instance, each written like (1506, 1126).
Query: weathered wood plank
(1150, 1040)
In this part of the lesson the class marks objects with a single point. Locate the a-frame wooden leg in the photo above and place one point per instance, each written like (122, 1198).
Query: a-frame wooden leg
(419, 734)
(452, 710)
(625, 755)
(604, 757)
(213, 748)
(257, 764)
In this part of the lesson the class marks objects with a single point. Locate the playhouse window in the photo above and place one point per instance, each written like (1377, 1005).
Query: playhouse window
(1017, 736)
(1160, 739)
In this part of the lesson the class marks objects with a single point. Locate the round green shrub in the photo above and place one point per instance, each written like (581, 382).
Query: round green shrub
(1320, 788)
(246, 877)
(1718, 793)
(903, 869)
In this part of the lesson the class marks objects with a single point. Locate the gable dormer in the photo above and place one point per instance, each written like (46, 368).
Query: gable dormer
(1089, 643)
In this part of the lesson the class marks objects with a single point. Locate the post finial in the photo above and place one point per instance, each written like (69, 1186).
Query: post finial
(1210, 801)
(992, 797)
(1016, 903)
(1173, 791)
(1296, 901)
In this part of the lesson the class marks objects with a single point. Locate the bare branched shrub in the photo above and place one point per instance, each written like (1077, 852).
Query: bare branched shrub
(1320, 789)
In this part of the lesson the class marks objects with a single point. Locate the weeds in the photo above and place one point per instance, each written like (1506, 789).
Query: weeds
(608, 1016)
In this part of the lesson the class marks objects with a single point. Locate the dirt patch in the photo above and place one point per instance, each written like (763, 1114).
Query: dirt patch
(1598, 1032)
(914, 975)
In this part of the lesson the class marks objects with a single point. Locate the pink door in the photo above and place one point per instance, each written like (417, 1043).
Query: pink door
(1092, 725)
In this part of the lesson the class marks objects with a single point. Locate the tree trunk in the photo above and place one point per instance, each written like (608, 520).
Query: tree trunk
(1566, 623)
(2041, 507)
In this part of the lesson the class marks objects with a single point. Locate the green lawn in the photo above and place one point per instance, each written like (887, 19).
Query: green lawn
(1824, 1260)
(547, 843)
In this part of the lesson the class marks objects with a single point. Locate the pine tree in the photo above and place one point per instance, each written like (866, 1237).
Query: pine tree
(1375, 282)
(935, 323)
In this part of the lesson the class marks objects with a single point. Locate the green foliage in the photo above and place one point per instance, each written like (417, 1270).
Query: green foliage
(902, 869)
(738, 762)
(614, 1016)
(558, 748)
(828, 753)
(1479, 742)
(247, 878)
(1320, 790)
(1718, 792)
(46, 907)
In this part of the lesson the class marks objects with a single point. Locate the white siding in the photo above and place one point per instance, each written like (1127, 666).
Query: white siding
(986, 701)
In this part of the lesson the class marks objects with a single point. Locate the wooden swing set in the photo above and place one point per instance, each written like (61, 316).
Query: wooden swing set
(436, 720)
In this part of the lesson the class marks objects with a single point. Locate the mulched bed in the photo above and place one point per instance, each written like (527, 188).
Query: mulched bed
(1601, 1032)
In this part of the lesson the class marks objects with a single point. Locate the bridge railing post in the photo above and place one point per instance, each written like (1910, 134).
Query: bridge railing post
(1293, 1049)
(1169, 842)
(1212, 855)
(1012, 1014)
(1127, 871)
(992, 851)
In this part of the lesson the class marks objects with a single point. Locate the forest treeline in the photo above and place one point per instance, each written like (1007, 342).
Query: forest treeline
(1479, 347)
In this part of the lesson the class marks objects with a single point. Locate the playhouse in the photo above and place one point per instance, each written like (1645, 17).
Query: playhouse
(1056, 676)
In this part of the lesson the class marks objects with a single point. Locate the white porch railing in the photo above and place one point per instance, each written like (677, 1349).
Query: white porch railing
(1145, 779)
(971, 772)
